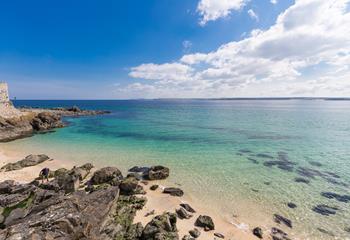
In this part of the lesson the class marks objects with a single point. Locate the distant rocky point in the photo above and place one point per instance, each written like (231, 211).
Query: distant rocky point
(25, 121)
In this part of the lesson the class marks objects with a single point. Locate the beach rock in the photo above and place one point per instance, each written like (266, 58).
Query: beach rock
(325, 210)
(258, 232)
(137, 169)
(282, 220)
(173, 191)
(138, 176)
(74, 109)
(67, 182)
(161, 227)
(219, 235)
(14, 128)
(278, 234)
(28, 161)
(129, 186)
(205, 222)
(110, 175)
(291, 205)
(154, 187)
(158, 173)
(182, 213)
(187, 237)
(187, 207)
(195, 233)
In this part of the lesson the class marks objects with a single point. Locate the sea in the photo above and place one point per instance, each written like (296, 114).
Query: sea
(245, 160)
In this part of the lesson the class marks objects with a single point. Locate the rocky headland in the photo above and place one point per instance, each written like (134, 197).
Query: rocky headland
(28, 121)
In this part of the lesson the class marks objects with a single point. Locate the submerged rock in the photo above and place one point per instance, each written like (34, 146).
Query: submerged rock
(173, 191)
(28, 161)
(205, 222)
(282, 220)
(325, 210)
(291, 205)
(338, 197)
(301, 180)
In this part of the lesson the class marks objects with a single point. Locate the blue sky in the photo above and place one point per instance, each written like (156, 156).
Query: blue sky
(136, 49)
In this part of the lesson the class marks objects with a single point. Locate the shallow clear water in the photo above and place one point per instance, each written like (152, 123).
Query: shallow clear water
(212, 149)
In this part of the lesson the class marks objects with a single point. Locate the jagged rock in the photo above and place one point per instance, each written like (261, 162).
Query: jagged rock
(28, 161)
(280, 219)
(59, 172)
(158, 173)
(187, 207)
(45, 121)
(74, 109)
(76, 216)
(67, 182)
(173, 191)
(205, 222)
(182, 214)
(6, 186)
(137, 169)
(110, 175)
(194, 233)
(154, 187)
(258, 232)
(161, 227)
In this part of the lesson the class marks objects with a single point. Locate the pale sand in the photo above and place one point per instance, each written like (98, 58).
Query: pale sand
(156, 200)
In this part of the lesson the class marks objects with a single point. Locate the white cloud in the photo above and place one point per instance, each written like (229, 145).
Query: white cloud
(253, 15)
(211, 10)
(306, 52)
(274, 1)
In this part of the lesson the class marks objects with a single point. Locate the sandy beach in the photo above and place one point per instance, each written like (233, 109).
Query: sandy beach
(156, 200)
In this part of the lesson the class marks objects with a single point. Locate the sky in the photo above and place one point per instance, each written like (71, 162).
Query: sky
(125, 49)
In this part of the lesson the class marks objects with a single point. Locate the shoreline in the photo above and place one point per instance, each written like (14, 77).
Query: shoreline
(156, 200)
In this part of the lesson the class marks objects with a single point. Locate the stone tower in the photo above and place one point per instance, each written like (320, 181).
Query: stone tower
(4, 93)
(7, 110)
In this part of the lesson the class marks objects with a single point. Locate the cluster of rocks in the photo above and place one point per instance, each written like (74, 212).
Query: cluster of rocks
(33, 120)
(81, 204)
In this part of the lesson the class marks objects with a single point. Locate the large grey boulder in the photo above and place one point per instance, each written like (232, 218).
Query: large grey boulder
(30, 160)
(110, 175)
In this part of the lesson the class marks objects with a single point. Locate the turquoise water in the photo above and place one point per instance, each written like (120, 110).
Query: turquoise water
(213, 147)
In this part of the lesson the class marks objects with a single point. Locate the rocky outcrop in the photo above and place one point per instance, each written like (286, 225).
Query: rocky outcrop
(205, 222)
(28, 161)
(40, 211)
(34, 120)
(173, 191)
(158, 173)
(110, 175)
(162, 227)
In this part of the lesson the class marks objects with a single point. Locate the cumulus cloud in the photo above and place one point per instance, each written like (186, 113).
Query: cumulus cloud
(253, 15)
(211, 10)
(306, 52)
(273, 1)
